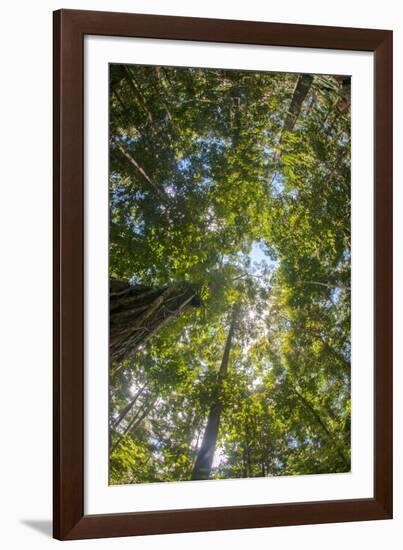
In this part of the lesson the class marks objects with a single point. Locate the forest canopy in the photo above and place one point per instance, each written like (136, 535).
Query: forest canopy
(229, 266)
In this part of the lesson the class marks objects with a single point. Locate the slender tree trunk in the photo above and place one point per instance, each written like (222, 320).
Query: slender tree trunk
(158, 191)
(136, 420)
(205, 456)
(138, 312)
(301, 90)
(128, 407)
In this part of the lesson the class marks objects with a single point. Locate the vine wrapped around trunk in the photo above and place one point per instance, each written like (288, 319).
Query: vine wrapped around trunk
(137, 312)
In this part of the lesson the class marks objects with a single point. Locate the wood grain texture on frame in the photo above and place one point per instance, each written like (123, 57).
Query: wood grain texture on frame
(70, 26)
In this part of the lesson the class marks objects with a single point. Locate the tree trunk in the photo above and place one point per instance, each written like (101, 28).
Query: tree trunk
(205, 456)
(137, 312)
(301, 90)
(128, 407)
(134, 422)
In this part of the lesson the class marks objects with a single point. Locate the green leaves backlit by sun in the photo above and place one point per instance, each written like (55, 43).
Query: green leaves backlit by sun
(229, 274)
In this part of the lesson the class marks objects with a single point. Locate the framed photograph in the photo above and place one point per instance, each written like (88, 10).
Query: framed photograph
(222, 274)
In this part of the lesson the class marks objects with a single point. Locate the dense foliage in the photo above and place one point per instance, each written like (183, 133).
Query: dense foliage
(230, 274)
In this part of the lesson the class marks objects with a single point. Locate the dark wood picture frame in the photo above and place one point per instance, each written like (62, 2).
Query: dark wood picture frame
(70, 27)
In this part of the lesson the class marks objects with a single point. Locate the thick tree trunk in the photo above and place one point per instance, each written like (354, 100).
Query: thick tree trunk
(138, 312)
(204, 460)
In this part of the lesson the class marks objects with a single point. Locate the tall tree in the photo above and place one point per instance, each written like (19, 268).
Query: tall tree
(205, 455)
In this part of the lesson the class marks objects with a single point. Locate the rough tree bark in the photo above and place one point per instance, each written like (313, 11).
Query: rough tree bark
(138, 312)
(204, 460)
